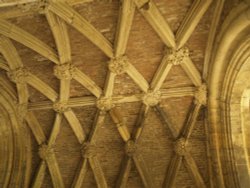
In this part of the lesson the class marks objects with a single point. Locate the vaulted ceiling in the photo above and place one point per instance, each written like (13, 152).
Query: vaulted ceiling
(113, 93)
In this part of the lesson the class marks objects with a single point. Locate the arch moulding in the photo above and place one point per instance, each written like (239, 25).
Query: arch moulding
(227, 89)
(12, 143)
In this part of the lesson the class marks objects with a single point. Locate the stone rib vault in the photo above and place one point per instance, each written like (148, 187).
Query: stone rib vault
(110, 93)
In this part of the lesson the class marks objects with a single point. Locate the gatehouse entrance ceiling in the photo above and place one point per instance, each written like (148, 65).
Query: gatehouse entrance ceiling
(111, 93)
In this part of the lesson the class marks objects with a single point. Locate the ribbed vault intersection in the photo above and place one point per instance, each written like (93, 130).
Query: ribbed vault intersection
(124, 99)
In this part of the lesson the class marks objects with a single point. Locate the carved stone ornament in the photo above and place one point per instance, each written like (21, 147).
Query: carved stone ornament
(37, 6)
(176, 57)
(201, 95)
(19, 75)
(60, 106)
(88, 150)
(64, 71)
(130, 148)
(180, 146)
(119, 65)
(22, 110)
(105, 103)
(45, 151)
(152, 98)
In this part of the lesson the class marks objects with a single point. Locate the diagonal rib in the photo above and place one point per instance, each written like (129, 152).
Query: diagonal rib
(172, 171)
(137, 77)
(55, 171)
(83, 26)
(109, 85)
(75, 125)
(124, 25)
(157, 21)
(35, 128)
(124, 172)
(166, 121)
(89, 84)
(191, 120)
(38, 181)
(98, 122)
(161, 74)
(192, 72)
(11, 31)
(143, 171)
(42, 87)
(98, 173)
(193, 170)
(140, 122)
(190, 22)
(122, 128)
(56, 129)
(79, 177)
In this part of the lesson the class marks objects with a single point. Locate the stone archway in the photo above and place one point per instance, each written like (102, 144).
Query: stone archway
(227, 83)
(245, 109)
(237, 115)
(12, 145)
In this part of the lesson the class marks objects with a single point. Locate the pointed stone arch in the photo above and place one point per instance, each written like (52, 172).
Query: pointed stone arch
(12, 146)
(230, 55)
